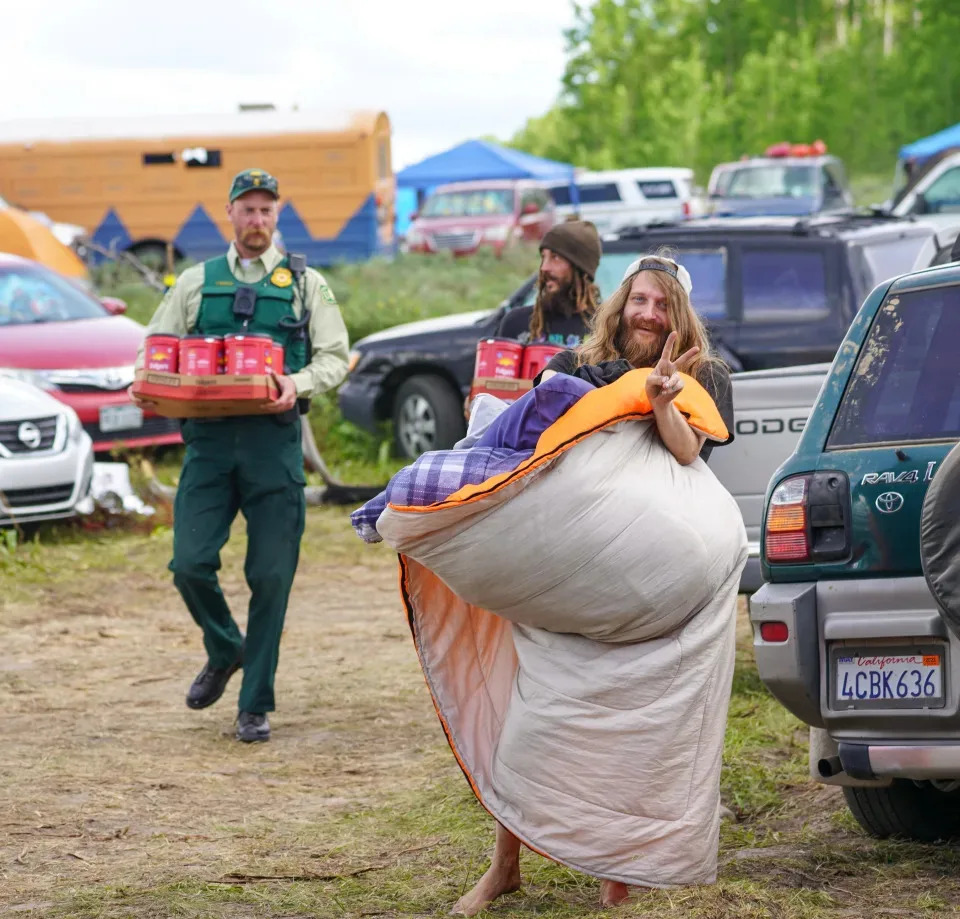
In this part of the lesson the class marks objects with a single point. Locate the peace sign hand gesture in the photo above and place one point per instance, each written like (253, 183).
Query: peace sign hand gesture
(664, 383)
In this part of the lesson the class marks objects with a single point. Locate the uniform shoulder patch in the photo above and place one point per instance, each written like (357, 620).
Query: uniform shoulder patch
(327, 295)
(281, 277)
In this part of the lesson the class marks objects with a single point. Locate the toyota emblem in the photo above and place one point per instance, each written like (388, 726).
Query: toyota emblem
(29, 435)
(889, 502)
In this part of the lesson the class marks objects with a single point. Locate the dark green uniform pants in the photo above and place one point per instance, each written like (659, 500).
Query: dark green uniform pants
(254, 465)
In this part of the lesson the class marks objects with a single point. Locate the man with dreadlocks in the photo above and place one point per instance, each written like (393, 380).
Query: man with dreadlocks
(566, 295)
(648, 320)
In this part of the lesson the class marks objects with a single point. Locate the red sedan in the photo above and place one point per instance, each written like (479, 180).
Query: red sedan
(80, 350)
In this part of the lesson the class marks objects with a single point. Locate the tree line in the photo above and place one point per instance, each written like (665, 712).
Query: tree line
(696, 82)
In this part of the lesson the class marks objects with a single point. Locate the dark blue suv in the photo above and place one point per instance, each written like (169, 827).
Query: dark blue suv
(774, 292)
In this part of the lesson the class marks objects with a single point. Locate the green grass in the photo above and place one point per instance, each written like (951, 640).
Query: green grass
(871, 188)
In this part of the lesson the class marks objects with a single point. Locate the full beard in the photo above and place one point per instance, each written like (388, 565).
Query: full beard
(557, 302)
(640, 353)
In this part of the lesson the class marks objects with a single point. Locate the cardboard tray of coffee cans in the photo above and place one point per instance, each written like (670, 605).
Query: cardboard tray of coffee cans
(509, 390)
(176, 395)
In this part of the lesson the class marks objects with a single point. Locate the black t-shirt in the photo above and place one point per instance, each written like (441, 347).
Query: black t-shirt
(566, 331)
(713, 377)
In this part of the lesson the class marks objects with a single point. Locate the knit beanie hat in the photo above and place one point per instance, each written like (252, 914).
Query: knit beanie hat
(578, 242)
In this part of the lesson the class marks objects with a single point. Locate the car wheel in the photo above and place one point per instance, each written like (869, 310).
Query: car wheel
(427, 415)
(914, 810)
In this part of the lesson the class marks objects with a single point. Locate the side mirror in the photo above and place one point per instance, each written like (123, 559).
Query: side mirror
(530, 208)
(920, 205)
(113, 305)
(414, 216)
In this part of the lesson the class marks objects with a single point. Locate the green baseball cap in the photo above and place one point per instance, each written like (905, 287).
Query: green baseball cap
(253, 180)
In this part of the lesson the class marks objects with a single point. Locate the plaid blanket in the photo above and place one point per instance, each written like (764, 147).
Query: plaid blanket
(508, 440)
(433, 477)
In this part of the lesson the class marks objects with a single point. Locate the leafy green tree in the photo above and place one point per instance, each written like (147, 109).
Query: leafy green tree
(695, 82)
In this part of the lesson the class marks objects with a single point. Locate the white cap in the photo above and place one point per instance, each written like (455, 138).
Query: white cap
(659, 263)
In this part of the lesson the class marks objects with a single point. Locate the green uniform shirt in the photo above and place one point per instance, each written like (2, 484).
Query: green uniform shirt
(326, 366)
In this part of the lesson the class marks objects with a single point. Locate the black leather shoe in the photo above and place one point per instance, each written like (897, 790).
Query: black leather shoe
(211, 682)
(252, 727)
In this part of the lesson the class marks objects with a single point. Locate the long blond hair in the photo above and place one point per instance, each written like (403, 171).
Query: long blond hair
(602, 345)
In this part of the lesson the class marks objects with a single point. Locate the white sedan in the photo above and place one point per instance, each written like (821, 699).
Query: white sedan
(46, 457)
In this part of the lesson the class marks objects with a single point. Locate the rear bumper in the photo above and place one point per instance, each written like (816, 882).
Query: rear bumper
(155, 432)
(909, 761)
(880, 739)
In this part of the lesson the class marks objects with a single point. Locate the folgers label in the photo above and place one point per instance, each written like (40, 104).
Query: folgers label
(498, 357)
(535, 358)
(161, 352)
(275, 359)
(201, 355)
(248, 354)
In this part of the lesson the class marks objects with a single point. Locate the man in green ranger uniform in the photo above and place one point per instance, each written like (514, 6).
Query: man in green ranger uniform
(252, 464)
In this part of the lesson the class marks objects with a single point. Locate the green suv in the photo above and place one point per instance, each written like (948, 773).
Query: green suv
(857, 630)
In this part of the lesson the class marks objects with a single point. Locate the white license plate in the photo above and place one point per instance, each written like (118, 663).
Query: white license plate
(897, 679)
(120, 418)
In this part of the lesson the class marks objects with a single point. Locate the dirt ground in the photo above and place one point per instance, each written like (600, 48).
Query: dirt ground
(105, 775)
(118, 801)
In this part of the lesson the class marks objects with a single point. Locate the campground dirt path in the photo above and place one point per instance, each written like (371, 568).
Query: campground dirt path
(107, 777)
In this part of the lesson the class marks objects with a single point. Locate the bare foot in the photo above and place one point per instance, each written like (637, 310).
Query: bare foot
(497, 881)
(613, 893)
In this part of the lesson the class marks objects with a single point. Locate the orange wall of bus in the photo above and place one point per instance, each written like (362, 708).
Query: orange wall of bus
(326, 176)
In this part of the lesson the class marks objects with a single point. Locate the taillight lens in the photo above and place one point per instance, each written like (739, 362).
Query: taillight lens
(787, 533)
(774, 632)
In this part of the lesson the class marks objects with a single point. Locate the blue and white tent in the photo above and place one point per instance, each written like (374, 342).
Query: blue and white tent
(926, 147)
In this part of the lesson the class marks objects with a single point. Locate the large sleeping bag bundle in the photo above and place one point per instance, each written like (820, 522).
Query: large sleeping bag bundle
(574, 619)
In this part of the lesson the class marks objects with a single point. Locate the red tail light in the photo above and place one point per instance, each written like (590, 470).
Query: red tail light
(777, 632)
(787, 531)
(686, 208)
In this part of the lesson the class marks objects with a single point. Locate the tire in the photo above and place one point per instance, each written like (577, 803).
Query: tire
(913, 810)
(427, 415)
(940, 539)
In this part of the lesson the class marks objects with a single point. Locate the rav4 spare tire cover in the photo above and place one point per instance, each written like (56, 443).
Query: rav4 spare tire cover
(940, 538)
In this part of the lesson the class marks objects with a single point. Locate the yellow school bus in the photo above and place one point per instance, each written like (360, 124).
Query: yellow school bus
(155, 186)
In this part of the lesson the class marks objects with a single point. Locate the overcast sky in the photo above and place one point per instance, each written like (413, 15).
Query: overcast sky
(444, 70)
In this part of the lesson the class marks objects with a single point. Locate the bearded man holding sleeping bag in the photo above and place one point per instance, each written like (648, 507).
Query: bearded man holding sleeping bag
(574, 610)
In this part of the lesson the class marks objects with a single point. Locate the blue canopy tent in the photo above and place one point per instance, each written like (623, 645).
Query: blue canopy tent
(480, 159)
(926, 147)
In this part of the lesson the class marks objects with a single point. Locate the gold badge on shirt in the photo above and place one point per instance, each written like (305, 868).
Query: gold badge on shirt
(281, 277)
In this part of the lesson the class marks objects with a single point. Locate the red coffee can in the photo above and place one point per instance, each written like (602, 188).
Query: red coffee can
(247, 354)
(161, 352)
(200, 355)
(276, 358)
(498, 357)
(535, 358)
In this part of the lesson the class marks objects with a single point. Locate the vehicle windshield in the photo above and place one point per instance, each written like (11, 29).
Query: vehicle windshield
(774, 180)
(31, 294)
(905, 386)
(478, 203)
